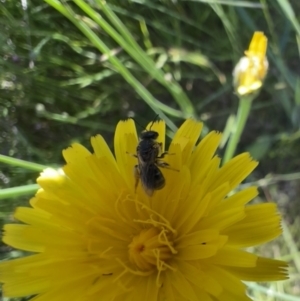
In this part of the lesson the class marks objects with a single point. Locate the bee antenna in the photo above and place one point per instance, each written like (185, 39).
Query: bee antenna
(155, 119)
(137, 122)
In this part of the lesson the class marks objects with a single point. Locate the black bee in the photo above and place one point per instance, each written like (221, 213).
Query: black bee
(149, 155)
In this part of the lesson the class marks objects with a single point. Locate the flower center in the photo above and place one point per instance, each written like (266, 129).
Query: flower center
(150, 249)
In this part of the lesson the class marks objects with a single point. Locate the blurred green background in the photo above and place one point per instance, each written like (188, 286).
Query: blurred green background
(58, 88)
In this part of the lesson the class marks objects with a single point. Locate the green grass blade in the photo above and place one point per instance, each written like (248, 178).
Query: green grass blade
(21, 163)
(268, 292)
(155, 104)
(131, 46)
(14, 192)
(290, 14)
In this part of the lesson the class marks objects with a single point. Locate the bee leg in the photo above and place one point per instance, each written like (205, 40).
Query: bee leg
(133, 155)
(160, 147)
(137, 176)
(163, 164)
(164, 154)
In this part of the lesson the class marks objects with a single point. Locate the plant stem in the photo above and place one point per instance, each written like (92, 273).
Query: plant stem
(157, 106)
(21, 163)
(137, 53)
(13, 192)
(242, 115)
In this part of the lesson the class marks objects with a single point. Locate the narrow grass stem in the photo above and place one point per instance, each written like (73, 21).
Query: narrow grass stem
(137, 53)
(237, 130)
(291, 244)
(14, 192)
(272, 293)
(155, 104)
(21, 163)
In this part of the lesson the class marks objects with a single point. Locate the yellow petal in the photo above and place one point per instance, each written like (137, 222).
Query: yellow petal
(251, 70)
(200, 279)
(187, 136)
(229, 256)
(261, 224)
(258, 44)
(265, 270)
(101, 149)
(125, 144)
(159, 127)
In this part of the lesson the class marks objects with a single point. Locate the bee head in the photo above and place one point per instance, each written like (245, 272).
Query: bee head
(149, 135)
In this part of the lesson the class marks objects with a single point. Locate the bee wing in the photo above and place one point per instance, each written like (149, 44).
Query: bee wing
(146, 178)
(151, 178)
(149, 191)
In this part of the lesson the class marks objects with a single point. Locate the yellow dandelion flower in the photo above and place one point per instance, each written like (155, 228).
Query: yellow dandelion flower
(97, 237)
(252, 68)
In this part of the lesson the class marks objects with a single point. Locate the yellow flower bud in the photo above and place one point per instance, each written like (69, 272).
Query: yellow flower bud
(252, 68)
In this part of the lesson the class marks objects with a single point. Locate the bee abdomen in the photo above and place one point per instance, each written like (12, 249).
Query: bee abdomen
(159, 180)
